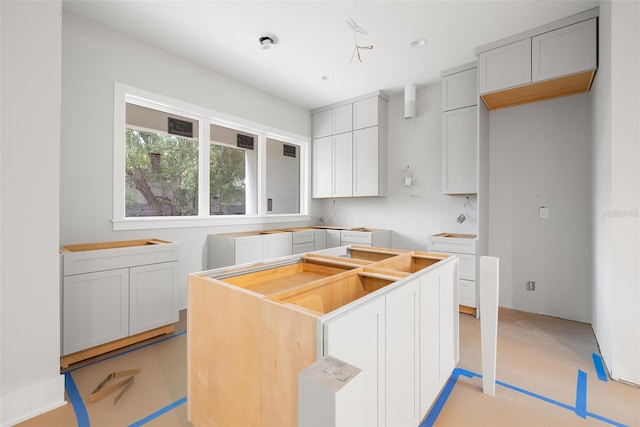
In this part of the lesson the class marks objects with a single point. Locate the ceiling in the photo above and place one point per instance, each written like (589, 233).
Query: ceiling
(313, 38)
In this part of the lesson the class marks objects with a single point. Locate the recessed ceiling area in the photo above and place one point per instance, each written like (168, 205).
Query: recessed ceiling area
(315, 40)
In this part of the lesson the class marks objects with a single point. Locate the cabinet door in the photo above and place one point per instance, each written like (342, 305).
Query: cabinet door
(505, 67)
(152, 292)
(448, 276)
(358, 338)
(429, 339)
(467, 293)
(460, 90)
(95, 309)
(342, 165)
(402, 318)
(322, 124)
(249, 249)
(277, 245)
(320, 240)
(459, 151)
(342, 119)
(333, 238)
(365, 113)
(323, 167)
(565, 51)
(365, 162)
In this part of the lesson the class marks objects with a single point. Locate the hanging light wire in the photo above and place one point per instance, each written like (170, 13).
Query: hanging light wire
(357, 29)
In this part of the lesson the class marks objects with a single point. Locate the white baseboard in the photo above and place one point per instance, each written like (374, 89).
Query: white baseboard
(35, 399)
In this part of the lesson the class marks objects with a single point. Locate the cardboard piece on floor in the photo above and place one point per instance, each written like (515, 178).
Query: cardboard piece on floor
(101, 390)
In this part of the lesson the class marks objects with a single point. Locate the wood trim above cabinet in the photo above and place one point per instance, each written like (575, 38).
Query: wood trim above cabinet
(569, 85)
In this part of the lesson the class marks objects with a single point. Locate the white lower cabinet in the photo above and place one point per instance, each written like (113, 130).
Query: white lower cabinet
(405, 342)
(403, 355)
(242, 248)
(333, 238)
(152, 296)
(115, 290)
(358, 338)
(95, 309)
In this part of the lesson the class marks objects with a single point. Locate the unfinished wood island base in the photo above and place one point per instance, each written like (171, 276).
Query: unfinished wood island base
(253, 328)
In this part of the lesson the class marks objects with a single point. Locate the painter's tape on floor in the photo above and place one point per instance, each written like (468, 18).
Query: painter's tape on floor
(580, 408)
(159, 412)
(599, 365)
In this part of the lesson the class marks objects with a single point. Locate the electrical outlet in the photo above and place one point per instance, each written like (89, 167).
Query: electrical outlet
(530, 285)
(543, 212)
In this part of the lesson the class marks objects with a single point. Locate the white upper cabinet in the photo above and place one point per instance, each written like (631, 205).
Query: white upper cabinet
(333, 121)
(365, 113)
(565, 51)
(351, 160)
(459, 89)
(553, 60)
(505, 67)
(342, 119)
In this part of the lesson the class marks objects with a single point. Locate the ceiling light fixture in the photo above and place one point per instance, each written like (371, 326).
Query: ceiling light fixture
(267, 42)
(418, 43)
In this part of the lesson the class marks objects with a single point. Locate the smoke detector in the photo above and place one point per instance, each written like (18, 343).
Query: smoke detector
(267, 42)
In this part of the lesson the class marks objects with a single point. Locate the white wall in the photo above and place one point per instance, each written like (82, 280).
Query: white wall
(616, 217)
(30, 380)
(93, 58)
(540, 156)
(413, 213)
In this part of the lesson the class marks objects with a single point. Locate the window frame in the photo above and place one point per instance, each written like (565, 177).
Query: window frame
(124, 93)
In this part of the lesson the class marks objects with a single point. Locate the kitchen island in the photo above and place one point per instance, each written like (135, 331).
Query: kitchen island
(253, 328)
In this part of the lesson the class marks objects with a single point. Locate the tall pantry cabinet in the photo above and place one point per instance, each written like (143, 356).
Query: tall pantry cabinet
(459, 130)
(350, 148)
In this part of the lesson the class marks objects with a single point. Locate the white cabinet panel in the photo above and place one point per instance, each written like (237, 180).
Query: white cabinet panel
(448, 320)
(342, 119)
(365, 162)
(302, 248)
(95, 309)
(429, 334)
(459, 151)
(277, 245)
(358, 338)
(249, 249)
(333, 238)
(151, 296)
(322, 124)
(342, 165)
(505, 67)
(402, 319)
(467, 266)
(323, 167)
(320, 240)
(565, 51)
(460, 90)
(467, 293)
(365, 113)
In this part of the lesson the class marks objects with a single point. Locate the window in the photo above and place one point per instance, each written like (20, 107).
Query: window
(177, 164)
(161, 169)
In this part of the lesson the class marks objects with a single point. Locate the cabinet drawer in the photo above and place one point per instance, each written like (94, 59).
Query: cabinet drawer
(355, 237)
(467, 293)
(458, 245)
(467, 266)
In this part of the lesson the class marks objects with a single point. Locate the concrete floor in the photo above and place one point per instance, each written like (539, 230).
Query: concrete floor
(538, 364)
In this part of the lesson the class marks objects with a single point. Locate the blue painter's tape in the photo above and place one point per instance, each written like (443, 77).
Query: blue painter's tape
(599, 365)
(159, 412)
(76, 401)
(442, 399)
(581, 395)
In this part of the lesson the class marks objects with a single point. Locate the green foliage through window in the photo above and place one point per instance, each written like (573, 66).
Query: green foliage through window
(161, 175)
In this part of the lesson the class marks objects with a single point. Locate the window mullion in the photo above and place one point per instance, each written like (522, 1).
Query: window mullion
(262, 174)
(204, 208)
